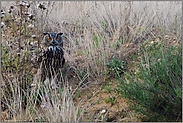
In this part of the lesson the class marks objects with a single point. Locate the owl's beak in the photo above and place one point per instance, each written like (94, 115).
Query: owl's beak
(54, 42)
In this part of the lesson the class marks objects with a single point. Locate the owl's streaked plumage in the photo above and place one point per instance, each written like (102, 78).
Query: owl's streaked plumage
(53, 55)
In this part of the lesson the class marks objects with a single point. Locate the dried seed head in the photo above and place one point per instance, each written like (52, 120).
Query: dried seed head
(33, 85)
(11, 7)
(22, 3)
(34, 36)
(32, 17)
(28, 5)
(2, 16)
(42, 6)
(3, 12)
(27, 13)
(10, 10)
(31, 43)
(2, 24)
(10, 45)
(31, 26)
(64, 23)
(18, 54)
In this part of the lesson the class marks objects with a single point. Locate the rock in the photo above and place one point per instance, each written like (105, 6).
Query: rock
(103, 111)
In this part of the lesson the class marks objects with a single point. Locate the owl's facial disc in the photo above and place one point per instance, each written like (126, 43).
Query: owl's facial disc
(53, 39)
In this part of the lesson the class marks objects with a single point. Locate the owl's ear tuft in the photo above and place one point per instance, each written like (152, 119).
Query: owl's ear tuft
(59, 33)
(45, 33)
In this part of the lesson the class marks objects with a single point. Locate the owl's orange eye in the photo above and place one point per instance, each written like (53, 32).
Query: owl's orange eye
(57, 38)
(49, 39)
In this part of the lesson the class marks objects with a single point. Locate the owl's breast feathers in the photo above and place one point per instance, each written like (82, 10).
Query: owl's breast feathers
(53, 55)
(55, 52)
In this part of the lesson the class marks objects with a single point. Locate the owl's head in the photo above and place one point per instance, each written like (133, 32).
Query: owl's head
(53, 39)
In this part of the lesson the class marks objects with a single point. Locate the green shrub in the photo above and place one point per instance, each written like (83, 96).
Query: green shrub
(157, 88)
(116, 67)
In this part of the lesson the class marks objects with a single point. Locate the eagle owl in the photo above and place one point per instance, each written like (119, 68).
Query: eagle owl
(53, 56)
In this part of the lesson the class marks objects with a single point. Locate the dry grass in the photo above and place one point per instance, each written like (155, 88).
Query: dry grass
(92, 31)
